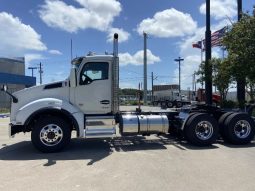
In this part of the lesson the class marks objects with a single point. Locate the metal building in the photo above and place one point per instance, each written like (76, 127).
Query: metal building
(12, 73)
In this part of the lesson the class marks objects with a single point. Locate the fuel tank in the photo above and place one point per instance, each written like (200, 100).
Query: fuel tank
(131, 124)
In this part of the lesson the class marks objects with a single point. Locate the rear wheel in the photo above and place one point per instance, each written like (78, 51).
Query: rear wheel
(170, 104)
(239, 128)
(221, 121)
(178, 104)
(50, 134)
(201, 129)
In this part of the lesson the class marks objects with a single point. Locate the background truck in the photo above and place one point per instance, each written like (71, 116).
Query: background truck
(87, 102)
(169, 98)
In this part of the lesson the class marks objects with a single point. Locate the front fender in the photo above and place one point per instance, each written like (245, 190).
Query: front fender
(49, 103)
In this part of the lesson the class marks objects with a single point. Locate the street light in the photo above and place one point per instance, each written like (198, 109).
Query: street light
(32, 68)
(179, 61)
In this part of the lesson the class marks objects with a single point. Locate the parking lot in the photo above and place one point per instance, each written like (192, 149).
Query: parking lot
(132, 163)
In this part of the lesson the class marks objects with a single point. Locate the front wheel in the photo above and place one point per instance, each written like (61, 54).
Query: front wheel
(50, 134)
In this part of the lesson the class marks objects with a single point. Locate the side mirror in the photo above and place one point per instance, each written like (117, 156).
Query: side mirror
(4, 88)
(73, 78)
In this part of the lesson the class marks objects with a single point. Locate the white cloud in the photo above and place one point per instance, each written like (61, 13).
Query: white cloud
(32, 57)
(137, 58)
(168, 23)
(221, 8)
(123, 35)
(55, 52)
(95, 14)
(16, 37)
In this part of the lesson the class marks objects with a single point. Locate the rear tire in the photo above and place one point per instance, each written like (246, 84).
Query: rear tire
(50, 134)
(178, 104)
(239, 128)
(201, 129)
(221, 121)
(170, 104)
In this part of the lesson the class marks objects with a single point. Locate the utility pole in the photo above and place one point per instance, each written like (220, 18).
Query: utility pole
(208, 67)
(241, 81)
(179, 61)
(40, 72)
(71, 50)
(145, 70)
(152, 84)
(32, 69)
(152, 92)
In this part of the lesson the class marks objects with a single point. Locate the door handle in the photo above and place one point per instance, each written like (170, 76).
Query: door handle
(105, 102)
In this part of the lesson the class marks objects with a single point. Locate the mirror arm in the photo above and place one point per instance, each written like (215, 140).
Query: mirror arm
(14, 99)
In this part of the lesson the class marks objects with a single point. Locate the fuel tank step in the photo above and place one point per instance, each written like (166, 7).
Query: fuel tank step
(100, 127)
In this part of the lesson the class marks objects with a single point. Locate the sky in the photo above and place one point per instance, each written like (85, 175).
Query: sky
(41, 30)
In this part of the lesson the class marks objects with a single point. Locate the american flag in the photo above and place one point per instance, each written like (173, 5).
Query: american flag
(217, 37)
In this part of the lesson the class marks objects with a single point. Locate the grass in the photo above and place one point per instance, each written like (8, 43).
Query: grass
(4, 110)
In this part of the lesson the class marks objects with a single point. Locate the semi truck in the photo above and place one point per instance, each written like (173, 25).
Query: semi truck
(170, 98)
(87, 102)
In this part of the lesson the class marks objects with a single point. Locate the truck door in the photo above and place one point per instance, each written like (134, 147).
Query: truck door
(93, 91)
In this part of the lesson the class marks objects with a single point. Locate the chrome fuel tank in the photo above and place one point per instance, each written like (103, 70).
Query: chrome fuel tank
(143, 124)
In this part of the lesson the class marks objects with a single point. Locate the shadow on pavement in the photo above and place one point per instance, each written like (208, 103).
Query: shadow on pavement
(96, 150)
(79, 149)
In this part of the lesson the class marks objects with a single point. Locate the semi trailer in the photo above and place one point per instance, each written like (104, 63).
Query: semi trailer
(87, 103)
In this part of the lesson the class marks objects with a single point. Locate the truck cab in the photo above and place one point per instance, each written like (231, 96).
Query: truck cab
(91, 81)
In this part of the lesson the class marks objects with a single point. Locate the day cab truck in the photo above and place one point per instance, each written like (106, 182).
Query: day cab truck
(87, 102)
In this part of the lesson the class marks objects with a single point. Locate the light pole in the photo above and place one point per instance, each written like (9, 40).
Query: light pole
(32, 68)
(179, 61)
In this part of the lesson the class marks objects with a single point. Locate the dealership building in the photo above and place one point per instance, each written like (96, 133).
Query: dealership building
(12, 73)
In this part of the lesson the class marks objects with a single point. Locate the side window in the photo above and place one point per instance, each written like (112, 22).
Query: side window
(92, 71)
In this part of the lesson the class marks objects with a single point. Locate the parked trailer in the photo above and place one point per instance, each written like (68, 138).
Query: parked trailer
(87, 102)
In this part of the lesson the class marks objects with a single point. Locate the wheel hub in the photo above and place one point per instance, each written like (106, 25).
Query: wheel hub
(204, 130)
(242, 129)
(51, 135)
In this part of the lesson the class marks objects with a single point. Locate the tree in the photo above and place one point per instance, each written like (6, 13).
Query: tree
(221, 75)
(201, 74)
(240, 44)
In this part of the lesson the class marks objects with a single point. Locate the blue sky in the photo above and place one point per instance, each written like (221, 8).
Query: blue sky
(41, 31)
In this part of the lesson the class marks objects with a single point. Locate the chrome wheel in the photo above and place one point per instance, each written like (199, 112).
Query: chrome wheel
(242, 129)
(204, 130)
(51, 135)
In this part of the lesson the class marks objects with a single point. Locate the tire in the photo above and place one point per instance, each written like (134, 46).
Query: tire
(178, 104)
(239, 129)
(170, 104)
(50, 134)
(163, 105)
(221, 122)
(201, 129)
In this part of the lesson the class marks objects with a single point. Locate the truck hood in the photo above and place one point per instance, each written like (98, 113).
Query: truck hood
(59, 90)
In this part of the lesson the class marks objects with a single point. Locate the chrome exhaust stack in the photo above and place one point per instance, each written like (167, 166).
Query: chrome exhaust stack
(115, 76)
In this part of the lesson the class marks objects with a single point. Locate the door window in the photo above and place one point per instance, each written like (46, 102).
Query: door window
(92, 71)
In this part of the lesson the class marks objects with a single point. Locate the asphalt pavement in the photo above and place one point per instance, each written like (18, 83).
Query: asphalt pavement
(131, 163)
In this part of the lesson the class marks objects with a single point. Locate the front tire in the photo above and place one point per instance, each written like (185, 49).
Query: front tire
(50, 134)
